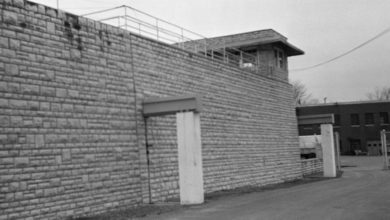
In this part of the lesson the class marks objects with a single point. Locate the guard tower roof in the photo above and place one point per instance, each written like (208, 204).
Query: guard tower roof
(253, 39)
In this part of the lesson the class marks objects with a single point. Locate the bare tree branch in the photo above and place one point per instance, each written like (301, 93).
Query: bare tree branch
(301, 96)
(379, 94)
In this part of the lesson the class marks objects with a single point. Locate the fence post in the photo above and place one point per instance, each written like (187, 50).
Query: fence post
(182, 38)
(384, 150)
(205, 47)
(126, 18)
(385, 142)
(224, 50)
(337, 148)
(157, 30)
(241, 63)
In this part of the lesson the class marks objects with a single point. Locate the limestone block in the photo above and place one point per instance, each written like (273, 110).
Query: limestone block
(14, 44)
(44, 106)
(58, 159)
(17, 121)
(19, 3)
(4, 42)
(12, 138)
(11, 69)
(39, 141)
(10, 17)
(3, 86)
(4, 120)
(51, 12)
(48, 91)
(51, 28)
(61, 92)
(66, 155)
(30, 89)
(14, 87)
(21, 161)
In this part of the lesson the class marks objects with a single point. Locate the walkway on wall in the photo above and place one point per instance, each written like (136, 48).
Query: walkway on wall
(147, 25)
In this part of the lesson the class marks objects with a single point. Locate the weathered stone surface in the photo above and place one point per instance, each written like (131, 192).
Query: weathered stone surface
(30, 89)
(3, 103)
(39, 141)
(4, 42)
(51, 28)
(14, 44)
(3, 86)
(19, 3)
(13, 187)
(21, 161)
(11, 69)
(4, 121)
(10, 17)
(16, 121)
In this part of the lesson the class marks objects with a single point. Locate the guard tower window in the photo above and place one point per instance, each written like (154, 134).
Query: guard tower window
(384, 117)
(279, 58)
(355, 119)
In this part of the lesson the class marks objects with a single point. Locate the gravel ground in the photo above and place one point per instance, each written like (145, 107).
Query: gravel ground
(362, 192)
(156, 210)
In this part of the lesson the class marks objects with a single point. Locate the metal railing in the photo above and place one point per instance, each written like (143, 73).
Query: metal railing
(149, 26)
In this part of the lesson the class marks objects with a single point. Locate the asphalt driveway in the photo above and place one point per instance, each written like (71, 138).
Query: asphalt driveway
(363, 192)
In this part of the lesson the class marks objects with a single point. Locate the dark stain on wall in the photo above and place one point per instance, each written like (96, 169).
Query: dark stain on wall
(72, 28)
(104, 38)
(23, 24)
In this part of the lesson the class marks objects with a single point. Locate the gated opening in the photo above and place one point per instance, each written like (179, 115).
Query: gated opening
(329, 146)
(189, 148)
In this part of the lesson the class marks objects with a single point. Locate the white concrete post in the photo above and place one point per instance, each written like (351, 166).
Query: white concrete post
(337, 148)
(190, 158)
(328, 150)
(384, 150)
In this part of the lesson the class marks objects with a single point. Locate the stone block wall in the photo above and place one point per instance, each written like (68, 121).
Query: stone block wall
(72, 135)
(248, 126)
(68, 143)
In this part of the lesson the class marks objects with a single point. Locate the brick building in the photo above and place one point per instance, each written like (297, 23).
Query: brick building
(72, 133)
(358, 123)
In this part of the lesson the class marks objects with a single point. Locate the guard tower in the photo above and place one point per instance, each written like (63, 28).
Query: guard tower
(263, 51)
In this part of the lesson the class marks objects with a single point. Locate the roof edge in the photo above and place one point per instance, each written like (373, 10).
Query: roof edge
(345, 103)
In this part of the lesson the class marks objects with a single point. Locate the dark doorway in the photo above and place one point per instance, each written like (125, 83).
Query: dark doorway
(355, 145)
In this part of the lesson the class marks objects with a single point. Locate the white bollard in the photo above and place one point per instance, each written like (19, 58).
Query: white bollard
(328, 150)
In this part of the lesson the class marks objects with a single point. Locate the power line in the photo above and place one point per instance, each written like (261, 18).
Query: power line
(344, 54)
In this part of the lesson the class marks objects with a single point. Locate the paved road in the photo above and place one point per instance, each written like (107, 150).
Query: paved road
(363, 192)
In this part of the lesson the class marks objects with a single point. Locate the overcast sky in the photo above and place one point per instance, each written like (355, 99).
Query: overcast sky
(324, 29)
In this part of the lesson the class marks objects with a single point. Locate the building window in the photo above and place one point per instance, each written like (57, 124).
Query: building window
(355, 119)
(280, 58)
(384, 117)
(369, 118)
(336, 120)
